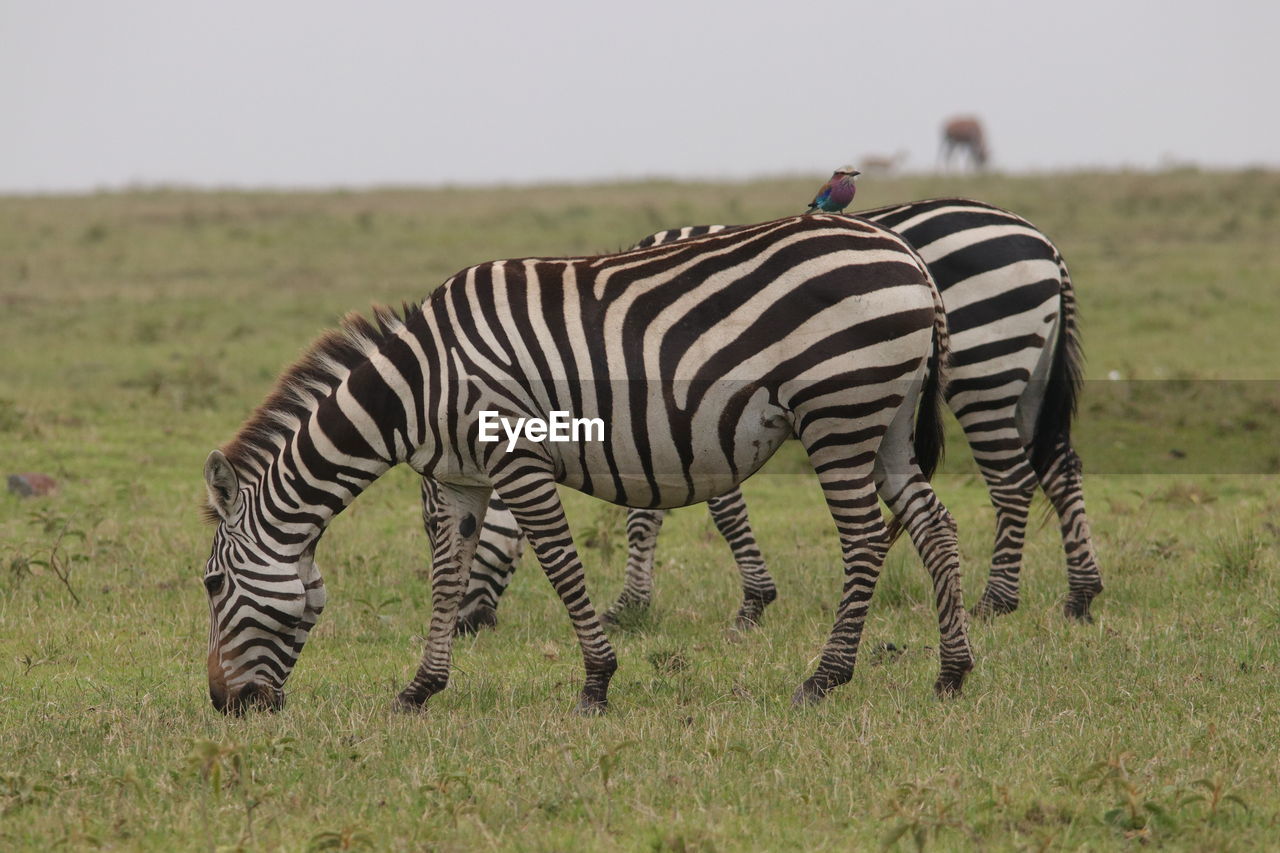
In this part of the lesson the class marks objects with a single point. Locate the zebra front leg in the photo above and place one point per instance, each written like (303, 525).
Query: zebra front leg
(491, 569)
(453, 515)
(1062, 482)
(729, 512)
(637, 587)
(492, 565)
(530, 495)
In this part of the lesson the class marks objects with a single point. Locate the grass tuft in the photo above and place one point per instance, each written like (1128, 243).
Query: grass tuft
(1235, 554)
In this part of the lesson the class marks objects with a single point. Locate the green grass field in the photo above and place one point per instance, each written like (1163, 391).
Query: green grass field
(138, 330)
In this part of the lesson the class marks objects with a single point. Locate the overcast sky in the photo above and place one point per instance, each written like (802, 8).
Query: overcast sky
(285, 93)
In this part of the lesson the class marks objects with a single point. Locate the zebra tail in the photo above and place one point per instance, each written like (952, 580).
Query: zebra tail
(1062, 389)
(928, 440)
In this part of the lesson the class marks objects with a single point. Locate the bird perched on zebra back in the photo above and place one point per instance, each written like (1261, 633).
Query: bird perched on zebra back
(836, 193)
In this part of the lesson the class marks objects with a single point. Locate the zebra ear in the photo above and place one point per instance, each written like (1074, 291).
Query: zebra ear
(223, 485)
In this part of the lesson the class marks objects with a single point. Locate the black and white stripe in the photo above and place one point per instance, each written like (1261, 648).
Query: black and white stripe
(701, 356)
(1013, 383)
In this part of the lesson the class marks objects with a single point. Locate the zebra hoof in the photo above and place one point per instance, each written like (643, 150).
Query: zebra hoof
(990, 606)
(1078, 611)
(591, 707)
(471, 623)
(627, 616)
(950, 683)
(1077, 604)
(808, 694)
(408, 704)
(752, 610)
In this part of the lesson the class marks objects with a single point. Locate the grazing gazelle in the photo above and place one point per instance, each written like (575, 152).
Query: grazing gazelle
(882, 164)
(964, 134)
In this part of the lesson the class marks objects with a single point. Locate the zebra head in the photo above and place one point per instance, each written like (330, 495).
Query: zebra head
(262, 604)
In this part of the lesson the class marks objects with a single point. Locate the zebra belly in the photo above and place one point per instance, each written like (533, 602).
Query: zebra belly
(692, 455)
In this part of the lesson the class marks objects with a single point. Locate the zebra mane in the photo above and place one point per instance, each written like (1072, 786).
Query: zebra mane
(299, 390)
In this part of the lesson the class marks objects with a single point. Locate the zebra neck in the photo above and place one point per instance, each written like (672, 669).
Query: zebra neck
(323, 457)
(294, 500)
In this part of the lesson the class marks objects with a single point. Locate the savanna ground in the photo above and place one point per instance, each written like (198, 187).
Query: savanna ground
(137, 330)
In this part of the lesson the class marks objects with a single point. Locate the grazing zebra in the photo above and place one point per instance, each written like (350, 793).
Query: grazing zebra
(1013, 385)
(701, 356)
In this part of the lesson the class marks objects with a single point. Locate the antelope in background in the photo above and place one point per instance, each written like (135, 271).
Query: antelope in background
(964, 133)
(882, 164)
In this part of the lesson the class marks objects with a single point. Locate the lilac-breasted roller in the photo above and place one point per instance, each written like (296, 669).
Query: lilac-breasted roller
(836, 193)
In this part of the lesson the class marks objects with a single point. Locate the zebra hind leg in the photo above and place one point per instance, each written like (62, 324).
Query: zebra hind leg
(933, 534)
(917, 510)
(844, 463)
(453, 515)
(1062, 482)
(530, 494)
(864, 541)
(643, 526)
(1011, 484)
(729, 512)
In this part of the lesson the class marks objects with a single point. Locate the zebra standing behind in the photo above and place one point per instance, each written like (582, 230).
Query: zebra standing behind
(701, 357)
(1013, 384)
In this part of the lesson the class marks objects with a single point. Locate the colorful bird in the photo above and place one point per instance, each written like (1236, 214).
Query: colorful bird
(836, 193)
